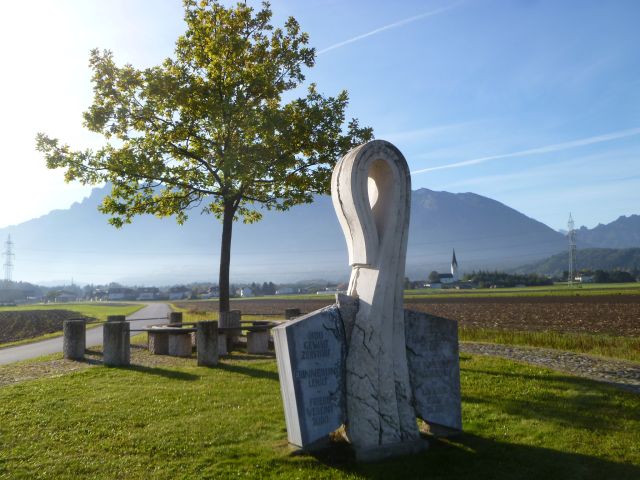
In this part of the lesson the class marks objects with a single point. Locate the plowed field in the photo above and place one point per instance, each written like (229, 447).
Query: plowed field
(606, 314)
(20, 325)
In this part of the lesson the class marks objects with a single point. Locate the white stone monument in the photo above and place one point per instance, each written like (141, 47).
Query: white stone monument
(375, 383)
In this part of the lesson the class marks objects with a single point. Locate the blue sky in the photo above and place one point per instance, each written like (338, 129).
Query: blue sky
(533, 103)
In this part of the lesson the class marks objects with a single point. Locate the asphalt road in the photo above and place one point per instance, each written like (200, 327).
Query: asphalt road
(94, 335)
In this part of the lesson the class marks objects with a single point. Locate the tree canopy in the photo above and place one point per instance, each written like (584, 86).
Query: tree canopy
(208, 128)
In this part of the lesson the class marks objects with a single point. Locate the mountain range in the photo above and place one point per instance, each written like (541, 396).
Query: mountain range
(303, 243)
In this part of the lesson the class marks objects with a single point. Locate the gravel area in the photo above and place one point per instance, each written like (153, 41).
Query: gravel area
(619, 373)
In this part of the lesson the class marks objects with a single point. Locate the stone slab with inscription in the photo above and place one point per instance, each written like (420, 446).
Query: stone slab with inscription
(311, 353)
(434, 368)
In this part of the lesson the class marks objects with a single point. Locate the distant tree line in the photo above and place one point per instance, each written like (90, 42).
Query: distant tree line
(609, 276)
(267, 288)
(486, 279)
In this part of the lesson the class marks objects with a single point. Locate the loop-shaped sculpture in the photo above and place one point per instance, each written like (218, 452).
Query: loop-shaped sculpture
(371, 191)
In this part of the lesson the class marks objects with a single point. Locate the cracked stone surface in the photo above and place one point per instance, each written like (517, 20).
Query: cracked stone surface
(371, 190)
(311, 353)
(434, 368)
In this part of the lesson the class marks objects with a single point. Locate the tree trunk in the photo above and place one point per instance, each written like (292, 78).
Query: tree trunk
(225, 255)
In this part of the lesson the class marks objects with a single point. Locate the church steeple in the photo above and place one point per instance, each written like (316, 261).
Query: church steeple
(454, 266)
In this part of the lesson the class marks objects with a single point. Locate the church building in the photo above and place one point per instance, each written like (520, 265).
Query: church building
(449, 278)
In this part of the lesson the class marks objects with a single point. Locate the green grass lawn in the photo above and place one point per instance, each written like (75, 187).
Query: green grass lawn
(184, 421)
(97, 311)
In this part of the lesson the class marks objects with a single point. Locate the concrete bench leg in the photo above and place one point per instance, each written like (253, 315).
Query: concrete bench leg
(117, 349)
(75, 339)
(258, 342)
(158, 343)
(231, 319)
(222, 344)
(180, 345)
(175, 318)
(207, 343)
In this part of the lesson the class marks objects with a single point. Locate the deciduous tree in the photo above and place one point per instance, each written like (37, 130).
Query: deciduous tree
(209, 127)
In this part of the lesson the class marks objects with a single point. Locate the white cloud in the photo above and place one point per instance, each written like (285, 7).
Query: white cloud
(538, 150)
(390, 26)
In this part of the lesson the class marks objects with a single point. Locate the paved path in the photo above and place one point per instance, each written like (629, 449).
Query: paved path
(94, 335)
(620, 373)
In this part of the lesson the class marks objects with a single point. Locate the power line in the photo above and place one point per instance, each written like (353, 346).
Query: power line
(572, 251)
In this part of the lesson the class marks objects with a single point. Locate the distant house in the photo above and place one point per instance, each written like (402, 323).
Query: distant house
(584, 278)
(148, 293)
(245, 292)
(66, 297)
(179, 293)
(447, 279)
(213, 292)
(285, 291)
(329, 292)
(121, 293)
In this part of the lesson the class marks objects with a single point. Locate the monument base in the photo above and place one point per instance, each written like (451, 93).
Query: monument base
(390, 450)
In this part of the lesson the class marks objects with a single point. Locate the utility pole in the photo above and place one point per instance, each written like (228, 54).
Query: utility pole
(8, 259)
(572, 251)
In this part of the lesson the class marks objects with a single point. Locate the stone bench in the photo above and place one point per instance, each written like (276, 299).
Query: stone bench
(178, 339)
(169, 340)
(258, 334)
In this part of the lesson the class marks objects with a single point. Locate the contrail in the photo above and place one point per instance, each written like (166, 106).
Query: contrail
(399, 23)
(549, 148)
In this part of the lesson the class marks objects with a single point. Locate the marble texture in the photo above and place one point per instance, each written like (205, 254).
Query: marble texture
(311, 353)
(434, 368)
(370, 189)
(364, 362)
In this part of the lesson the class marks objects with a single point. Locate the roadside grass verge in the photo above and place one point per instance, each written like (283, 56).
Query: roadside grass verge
(98, 312)
(183, 421)
(625, 348)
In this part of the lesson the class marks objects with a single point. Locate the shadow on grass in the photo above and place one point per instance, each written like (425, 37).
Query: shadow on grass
(252, 372)
(247, 357)
(577, 402)
(574, 380)
(473, 457)
(162, 372)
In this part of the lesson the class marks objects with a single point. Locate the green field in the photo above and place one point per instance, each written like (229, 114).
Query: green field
(558, 289)
(183, 421)
(98, 311)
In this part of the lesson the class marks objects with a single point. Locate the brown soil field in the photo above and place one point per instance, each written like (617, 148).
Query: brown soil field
(20, 325)
(610, 314)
